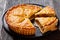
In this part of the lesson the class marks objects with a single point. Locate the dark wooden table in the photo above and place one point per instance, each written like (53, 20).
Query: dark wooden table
(5, 4)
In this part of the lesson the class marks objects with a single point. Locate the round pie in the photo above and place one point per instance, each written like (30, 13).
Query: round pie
(19, 18)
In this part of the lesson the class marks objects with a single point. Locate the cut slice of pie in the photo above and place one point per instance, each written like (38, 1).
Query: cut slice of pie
(24, 28)
(30, 10)
(27, 28)
(47, 23)
(46, 11)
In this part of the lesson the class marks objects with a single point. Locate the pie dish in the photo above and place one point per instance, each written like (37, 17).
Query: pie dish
(19, 19)
(46, 11)
(47, 23)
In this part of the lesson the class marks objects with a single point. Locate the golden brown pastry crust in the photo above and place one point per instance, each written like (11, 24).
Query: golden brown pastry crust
(18, 18)
(47, 23)
(46, 11)
(24, 28)
(31, 9)
(17, 14)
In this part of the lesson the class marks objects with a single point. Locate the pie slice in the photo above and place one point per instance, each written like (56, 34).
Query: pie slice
(46, 11)
(30, 10)
(24, 28)
(15, 14)
(47, 23)
(27, 28)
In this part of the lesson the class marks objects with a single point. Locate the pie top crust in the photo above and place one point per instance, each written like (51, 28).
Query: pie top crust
(46, 20)
(18, 18)
(24, 10)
